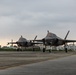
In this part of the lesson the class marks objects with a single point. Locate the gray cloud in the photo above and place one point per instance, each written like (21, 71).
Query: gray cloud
(32, 17)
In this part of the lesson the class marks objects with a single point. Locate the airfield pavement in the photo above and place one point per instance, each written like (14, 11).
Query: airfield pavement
(13, 58)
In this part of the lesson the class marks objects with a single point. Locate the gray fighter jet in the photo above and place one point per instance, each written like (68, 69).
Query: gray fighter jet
(52, 39)
(22, 42)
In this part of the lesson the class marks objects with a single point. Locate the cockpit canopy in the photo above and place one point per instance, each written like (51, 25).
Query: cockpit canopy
(51, 36)
(21, 39)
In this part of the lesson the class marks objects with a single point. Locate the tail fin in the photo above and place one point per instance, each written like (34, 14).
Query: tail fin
(66, 34)
(35, 38)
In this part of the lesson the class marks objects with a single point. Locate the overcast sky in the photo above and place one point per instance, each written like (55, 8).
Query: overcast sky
(34, 17)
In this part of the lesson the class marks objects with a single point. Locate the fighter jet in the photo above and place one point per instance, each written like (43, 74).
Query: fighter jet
(52, 39)
(22, 42)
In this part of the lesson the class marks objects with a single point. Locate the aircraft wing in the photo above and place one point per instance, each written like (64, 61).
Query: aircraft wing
(38, 43)
(69, 41)
(12, 43)
(37, 40)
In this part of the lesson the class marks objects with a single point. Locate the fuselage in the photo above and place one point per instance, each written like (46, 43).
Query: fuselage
(24, 42)
(53, 40)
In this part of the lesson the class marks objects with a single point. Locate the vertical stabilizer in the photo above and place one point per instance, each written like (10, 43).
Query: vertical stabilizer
(66, 35)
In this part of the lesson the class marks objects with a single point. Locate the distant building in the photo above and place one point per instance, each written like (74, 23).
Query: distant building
(5, 47)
